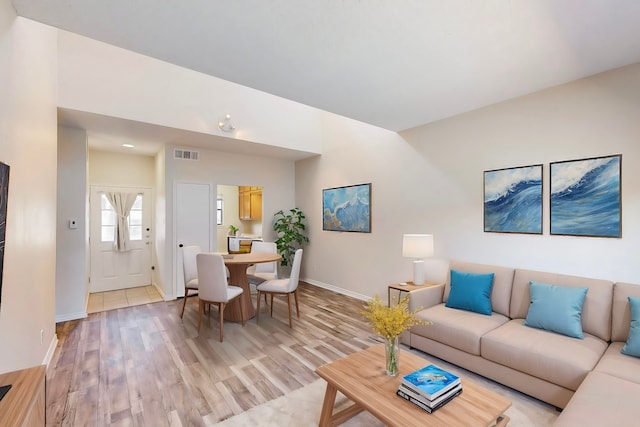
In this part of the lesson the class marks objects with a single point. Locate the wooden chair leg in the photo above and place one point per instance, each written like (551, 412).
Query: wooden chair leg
(184, 303)
(258, 306)
(221, 311)
(200, 310)
(242, 309)
(289, 304)
(272, 305)
(295, 294)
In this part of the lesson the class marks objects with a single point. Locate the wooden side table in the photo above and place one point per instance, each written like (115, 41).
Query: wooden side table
(24, 403)
(406, 288)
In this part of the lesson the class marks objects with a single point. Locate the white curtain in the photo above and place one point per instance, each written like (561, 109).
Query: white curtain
(121, 203)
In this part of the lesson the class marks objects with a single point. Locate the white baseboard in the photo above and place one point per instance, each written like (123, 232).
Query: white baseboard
(71, 316)
(161, 292)
(52, 348)
(337, 289)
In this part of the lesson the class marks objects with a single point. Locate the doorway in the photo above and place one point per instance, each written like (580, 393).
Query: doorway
(111, 269)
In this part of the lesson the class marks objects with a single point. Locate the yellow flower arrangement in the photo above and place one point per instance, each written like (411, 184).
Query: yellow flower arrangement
(390, 322)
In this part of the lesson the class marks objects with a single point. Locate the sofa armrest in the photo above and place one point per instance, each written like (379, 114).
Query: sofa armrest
(427, 297)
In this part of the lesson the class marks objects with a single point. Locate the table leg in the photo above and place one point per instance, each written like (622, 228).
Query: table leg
(240, 308)
(327, 406)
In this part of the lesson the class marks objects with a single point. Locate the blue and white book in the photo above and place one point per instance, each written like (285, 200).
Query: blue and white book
(431, 381)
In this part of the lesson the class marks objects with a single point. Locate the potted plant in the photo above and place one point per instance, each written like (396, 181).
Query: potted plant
(233, 230)
(290, 232)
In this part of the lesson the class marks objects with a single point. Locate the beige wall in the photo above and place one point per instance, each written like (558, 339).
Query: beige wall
(116, 169)
(429, 180)
(28, 127)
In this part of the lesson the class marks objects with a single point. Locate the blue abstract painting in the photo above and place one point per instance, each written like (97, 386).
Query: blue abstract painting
(586, 197)
(347, 208)
(513, 200)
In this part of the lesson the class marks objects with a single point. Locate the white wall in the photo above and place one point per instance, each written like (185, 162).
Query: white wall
(100, 78)
(430, 180)
(160, 226)
(276, 176)
(28, 128)
(71, 244)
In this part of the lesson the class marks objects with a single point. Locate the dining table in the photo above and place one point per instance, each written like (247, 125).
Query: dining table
(242, 308)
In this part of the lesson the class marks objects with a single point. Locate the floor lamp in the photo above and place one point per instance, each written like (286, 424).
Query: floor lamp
(418, 247)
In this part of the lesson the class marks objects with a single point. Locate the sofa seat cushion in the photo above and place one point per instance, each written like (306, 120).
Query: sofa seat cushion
(459, 329)
(552, 357)
(619, 365)
(602, 400)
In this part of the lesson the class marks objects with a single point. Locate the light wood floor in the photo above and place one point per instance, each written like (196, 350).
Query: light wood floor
(144, 366)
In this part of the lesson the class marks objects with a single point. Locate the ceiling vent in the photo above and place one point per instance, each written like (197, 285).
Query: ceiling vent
(185, 154)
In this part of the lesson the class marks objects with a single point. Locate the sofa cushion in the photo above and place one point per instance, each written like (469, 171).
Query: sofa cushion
(556, 308)
(596, 311)
(502, 280)
(613, 362)
(549, 356)
(470, 291)
(459, 329)
(632, 346)
(621, 313)
(602, 400)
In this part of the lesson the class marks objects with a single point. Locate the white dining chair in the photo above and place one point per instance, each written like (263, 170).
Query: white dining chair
(286, 287)
(264, 270)
(190, 271)
(213, 287)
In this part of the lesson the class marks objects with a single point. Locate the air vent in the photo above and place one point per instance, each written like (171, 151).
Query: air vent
(185, 154)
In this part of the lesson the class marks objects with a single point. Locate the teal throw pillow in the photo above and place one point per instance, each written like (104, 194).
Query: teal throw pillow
(470, 291)
(632, 347)
(556, 308)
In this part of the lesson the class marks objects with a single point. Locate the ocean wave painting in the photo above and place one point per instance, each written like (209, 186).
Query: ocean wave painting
(586, 197)
(513, 200)
(347, 208)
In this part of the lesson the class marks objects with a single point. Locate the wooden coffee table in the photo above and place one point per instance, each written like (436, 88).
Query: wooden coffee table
(362, 378)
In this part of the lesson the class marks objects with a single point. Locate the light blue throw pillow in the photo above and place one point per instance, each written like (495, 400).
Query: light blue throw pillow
(632, 347)
(556, 308)
(471, 292)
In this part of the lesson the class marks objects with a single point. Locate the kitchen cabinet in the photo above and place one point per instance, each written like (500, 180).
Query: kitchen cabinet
(250, 203)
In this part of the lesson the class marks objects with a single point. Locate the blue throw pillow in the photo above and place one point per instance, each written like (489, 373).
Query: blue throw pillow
(632, 347)
(556, 308)
(471, 292)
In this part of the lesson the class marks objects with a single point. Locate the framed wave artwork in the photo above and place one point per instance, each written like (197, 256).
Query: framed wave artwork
(513, 200)
(586, 197)
(347, 208)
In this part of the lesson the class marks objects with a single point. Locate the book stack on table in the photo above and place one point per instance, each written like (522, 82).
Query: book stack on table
(430, 387)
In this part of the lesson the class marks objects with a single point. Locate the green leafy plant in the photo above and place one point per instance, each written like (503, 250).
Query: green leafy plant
(233, 230)
(290, 231)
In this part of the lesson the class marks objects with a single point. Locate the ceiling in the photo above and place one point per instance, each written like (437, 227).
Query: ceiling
(396, 64)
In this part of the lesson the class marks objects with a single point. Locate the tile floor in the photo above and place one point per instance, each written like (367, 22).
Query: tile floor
(102, 301)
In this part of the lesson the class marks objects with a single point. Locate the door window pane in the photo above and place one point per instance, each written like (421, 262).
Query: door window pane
(108, 220)
(135, 220)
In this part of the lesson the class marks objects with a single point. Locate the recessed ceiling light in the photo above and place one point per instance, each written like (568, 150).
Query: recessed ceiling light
(128, 145)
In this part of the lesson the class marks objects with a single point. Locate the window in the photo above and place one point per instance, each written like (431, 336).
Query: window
(108, 220)
(219, 203)
(135, 220)
(108, 216)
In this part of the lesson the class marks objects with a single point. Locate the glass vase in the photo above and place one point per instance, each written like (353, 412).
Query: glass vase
(392, 353)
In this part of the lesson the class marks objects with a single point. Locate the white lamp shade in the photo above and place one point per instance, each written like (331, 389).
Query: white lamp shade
(417, 245)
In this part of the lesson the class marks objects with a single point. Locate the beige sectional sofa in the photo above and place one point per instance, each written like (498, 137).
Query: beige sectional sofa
(580, 375)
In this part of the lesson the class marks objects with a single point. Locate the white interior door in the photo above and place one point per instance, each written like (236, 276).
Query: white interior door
(112, 270)
(194, 216)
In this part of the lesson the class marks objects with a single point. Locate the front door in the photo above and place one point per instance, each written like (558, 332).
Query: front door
(112, 270)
